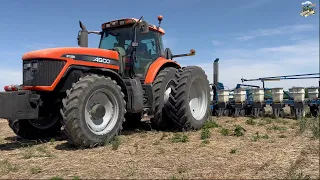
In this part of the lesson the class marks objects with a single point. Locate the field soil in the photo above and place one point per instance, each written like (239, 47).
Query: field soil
(227, 148)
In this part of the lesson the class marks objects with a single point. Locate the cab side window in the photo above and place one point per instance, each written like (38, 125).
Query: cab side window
(147, 51)
(161, 47)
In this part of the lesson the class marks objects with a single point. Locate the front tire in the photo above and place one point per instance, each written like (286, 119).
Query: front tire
(33, 129)
(93, 111)
(190, 99)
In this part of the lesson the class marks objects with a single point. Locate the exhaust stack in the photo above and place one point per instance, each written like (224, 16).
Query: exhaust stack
(216, 72)
(215, 78)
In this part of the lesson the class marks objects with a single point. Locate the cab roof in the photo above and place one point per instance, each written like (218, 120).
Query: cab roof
(126, 21)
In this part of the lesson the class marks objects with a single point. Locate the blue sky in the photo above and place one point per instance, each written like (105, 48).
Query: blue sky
(253, 38)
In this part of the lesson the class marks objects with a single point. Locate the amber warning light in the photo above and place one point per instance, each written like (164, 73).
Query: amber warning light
(117, 23)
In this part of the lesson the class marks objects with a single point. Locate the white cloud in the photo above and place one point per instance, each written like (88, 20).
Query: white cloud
(278, 31)
(169, 42)
(245, 38)
(254, 4)
(303, 48)
(216, 43)
(299, 58)
(12, 53)
(307, 2)
(9, 77)
(37, 46)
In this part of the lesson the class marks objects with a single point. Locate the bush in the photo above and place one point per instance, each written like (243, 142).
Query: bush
(224, 131)
(179, 138)
(233, 151)
(205, 134)
(315, 128)
(251, 122)
(303, 124)
(239, 131)
(211, 124)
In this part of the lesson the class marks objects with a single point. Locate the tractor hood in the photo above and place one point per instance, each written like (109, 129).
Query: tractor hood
(69, 52)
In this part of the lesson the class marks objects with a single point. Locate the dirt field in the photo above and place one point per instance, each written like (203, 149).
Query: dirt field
(267, 148)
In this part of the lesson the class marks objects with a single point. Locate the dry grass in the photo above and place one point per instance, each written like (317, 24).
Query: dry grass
(227, 148)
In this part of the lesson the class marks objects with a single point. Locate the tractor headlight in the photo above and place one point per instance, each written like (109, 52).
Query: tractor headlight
(26, 66)
(31, 65)
(34, 65)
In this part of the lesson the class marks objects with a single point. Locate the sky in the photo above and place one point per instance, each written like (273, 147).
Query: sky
(252, 38)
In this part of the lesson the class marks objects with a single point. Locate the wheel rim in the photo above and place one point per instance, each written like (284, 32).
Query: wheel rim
(198, 99)
(167, 94)
(106, 122)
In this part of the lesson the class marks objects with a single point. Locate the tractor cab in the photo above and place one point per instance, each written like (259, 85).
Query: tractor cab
(138, 43)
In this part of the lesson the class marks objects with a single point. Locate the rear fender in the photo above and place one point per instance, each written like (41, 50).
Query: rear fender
(157, 66)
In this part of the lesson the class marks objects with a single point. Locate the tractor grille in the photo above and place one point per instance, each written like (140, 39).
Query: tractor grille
(41, 72)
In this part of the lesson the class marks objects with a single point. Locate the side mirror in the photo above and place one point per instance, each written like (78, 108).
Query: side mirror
(78, 38)
(167, 53)
(144, 27)
(82, 36)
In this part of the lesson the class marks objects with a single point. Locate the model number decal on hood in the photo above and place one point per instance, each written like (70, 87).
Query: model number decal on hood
(102, 60)
(90, 58)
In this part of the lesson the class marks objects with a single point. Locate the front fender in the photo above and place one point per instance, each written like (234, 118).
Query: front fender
(158, 65)
(74, 72)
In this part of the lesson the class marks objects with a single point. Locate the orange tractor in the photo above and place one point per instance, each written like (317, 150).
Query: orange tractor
(90, 92)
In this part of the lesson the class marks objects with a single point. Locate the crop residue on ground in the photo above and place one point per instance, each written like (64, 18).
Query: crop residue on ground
(224, 148)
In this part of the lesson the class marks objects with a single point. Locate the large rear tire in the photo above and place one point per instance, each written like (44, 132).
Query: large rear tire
(33, 129)
(189, 102)
(162, 87)
(93, 111)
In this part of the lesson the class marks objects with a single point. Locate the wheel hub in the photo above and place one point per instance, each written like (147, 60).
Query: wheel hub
(101, 112)
(98, 111)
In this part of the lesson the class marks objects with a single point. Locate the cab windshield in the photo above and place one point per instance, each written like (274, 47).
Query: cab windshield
(119, 37)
